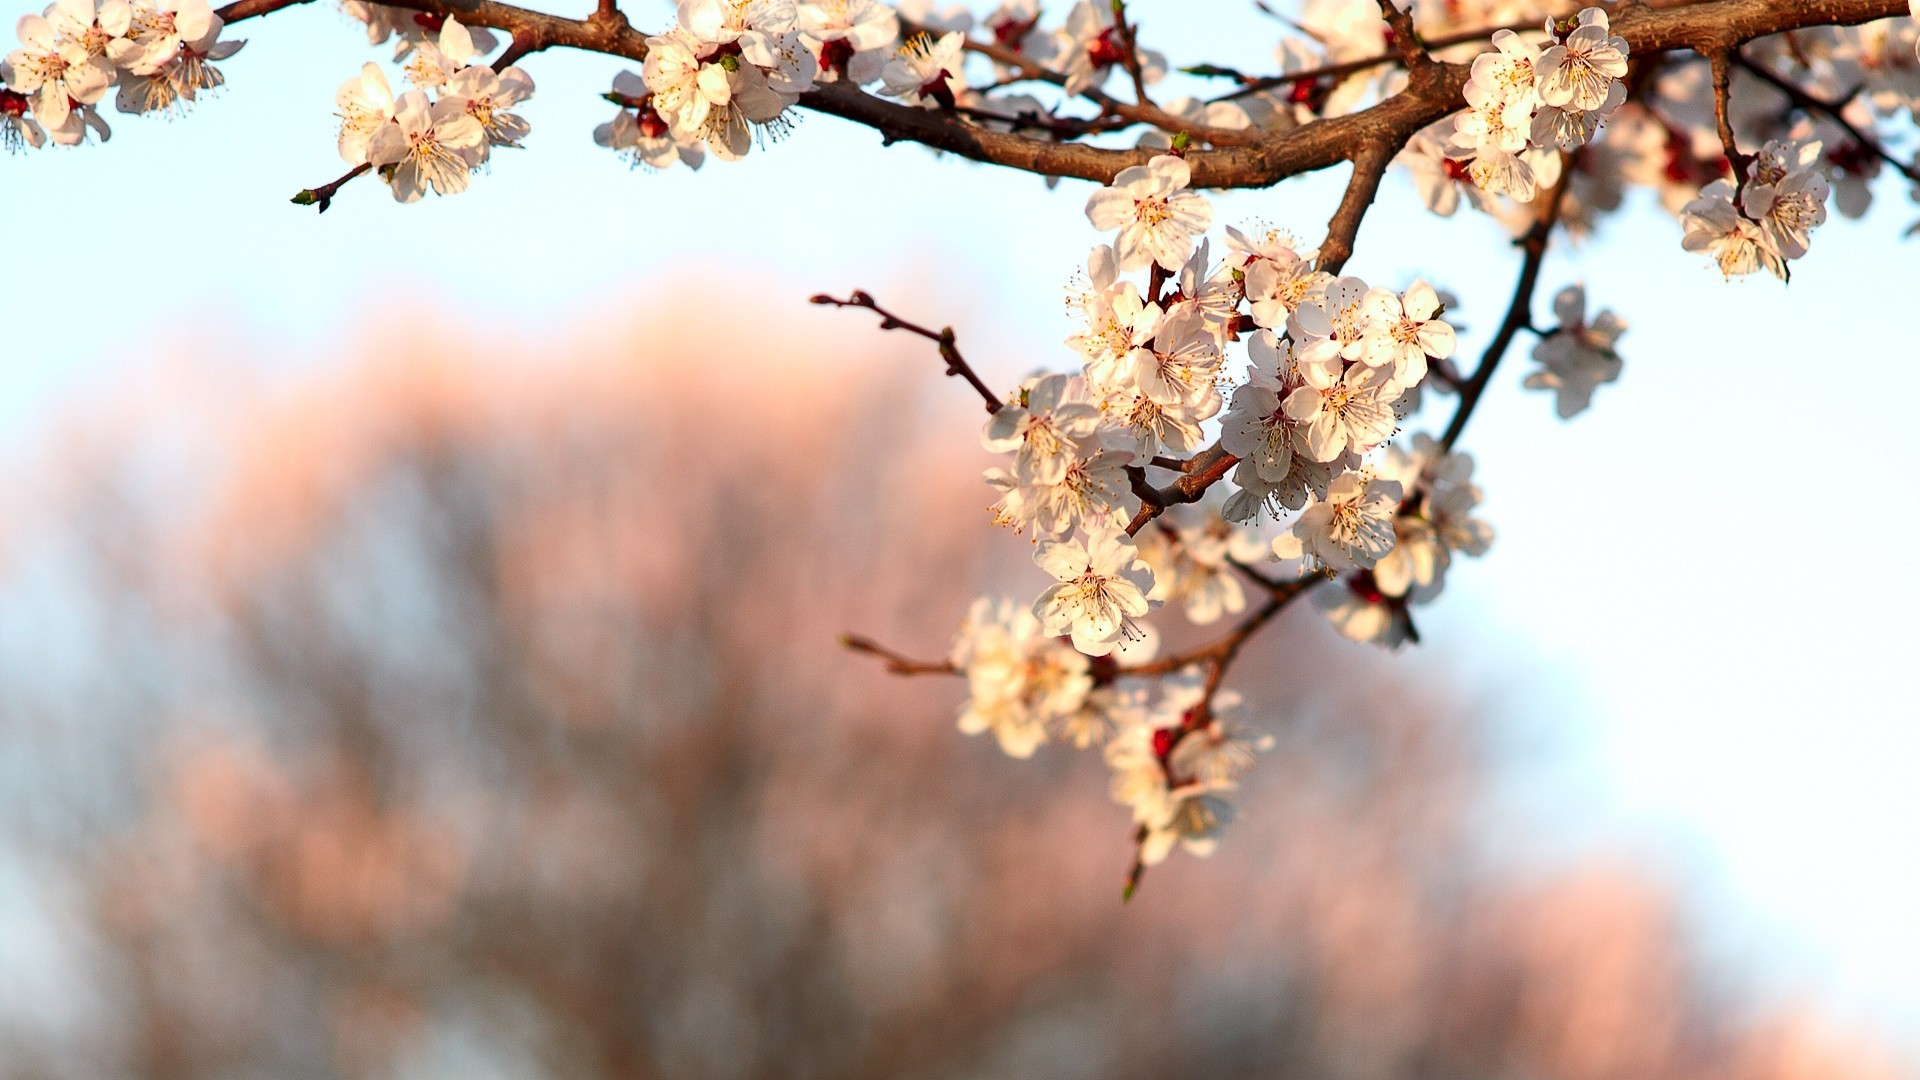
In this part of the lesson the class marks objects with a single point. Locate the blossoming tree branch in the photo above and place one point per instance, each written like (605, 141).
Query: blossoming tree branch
(1228, 438)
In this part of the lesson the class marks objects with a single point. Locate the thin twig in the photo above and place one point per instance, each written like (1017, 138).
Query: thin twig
(1519, 311)
(896, 663)
(322, 196)
(1130, 41)
(1809, 103)
(956, 364)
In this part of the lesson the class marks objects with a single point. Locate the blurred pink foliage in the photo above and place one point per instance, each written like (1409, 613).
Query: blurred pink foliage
(474, 709)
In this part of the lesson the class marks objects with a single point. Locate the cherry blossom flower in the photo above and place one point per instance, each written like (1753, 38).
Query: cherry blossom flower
(848, 38)
(366, 105)
(429, 144)
(17, 129)
(1157, 217)
(1022, 683)
(1579, 71)
(1438, 177)
(1088, 48)
(1259, 432)
(1786, 194)
(1340, 411)
(1350, 528)
(54, 71)
(1181, 364)
(1101, 586)
(1579, 355)
(1192, 566)
(1045, 427)
(1737, 244)
(926, 72)
(489, 98)
(1403, 330)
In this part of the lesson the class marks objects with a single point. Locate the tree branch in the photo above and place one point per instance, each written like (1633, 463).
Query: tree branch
(1831, 110)
(956, 364)
(1519, 311)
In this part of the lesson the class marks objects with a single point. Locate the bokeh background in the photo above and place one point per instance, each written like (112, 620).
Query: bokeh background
(417, 632)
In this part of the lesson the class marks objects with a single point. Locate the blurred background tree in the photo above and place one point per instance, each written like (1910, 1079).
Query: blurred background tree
(391, 721)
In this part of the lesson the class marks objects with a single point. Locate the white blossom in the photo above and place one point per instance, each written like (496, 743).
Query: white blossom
(1157, 217)
(1101, 585)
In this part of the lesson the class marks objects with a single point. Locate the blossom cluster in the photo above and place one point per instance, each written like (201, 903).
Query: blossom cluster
(729, 71)
(1331, 365)
(439, 133)
(156, 55)
(1766, 220)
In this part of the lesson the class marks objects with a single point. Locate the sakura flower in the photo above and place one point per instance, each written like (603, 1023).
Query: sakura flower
(1101, 584)
(1277, 276)
(1157, 218)
(926, 72)
(1579, 355)
(1402, 331)
(1192, 566)
(1786, 194)
(1509, 72)
(155, 33)
(684, 89)
(1351, 528)
(429, 144)
(1089, 48)
(1331, 325)
(490, 96)
(1118, 323)
(1337, 412)
(1259, 432)
(1044, 428)
(1188, 815)
(848, 38)
(1091, 493)
(17, 129)
(81, 121)
(92, 26)
(366, 105)
(434, 63)
(1439, 178)
(643, 134)
(1737, 245)
(1580, 71)
(1218, 752)
(1022, 682)
(1145, 426)
(1180, 365)
(1360, 611)
(1570, 128)
(54, 71)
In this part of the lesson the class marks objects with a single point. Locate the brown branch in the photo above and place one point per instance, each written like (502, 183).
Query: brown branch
(956, 364)
(1831, 110)
(322, 196)
(1236, 159)
(1403, 37)
(1140, 112)
(1519, 311)
(896, 663)
(1221, 652)
(1721, 61)
(1251, 85)
(1205, 469)
(1129, 40)
(1369, 165)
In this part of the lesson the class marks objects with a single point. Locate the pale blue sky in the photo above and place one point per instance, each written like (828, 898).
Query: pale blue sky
(1695, 620)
